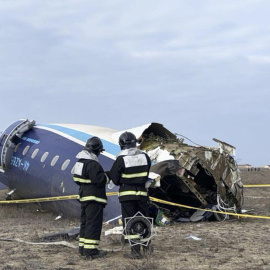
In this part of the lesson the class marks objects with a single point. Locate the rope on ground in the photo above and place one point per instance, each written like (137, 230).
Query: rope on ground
(59, 243)
(62, 243)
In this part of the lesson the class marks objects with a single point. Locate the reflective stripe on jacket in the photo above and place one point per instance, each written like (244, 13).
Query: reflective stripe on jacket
(91, 178)
(81, 180)
(92, 198)
(131, 192)
(130, 171)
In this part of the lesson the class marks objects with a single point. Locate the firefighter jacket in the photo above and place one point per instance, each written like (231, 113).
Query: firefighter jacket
(89, 175)
(130, 171)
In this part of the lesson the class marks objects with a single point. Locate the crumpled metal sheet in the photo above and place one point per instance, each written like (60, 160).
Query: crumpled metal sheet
(216, 163)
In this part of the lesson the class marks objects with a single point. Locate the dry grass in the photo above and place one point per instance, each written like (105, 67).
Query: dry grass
(239, 244)
(147, 264)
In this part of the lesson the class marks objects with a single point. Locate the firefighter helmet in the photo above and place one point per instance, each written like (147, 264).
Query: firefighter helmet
(94, 145)
(127, 140)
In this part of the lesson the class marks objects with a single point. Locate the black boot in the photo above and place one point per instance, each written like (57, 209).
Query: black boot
(135, 253)
(95, 254)
(148, 250)
(100, 254)
(81, 251)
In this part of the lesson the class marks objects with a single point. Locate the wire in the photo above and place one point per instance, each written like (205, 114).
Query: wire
(188, 139)
(222, 206)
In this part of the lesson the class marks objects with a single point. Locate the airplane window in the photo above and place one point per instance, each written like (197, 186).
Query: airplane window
(44, 156)
(17, 147)
(34, 153)
(65, 164)
(25, 150)
(73, 169)
(54, 160)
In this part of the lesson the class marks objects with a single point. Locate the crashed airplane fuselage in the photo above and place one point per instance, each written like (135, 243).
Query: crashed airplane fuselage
(194, 175)
(38, 160)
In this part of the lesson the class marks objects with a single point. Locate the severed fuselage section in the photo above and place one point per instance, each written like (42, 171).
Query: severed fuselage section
(197, 176)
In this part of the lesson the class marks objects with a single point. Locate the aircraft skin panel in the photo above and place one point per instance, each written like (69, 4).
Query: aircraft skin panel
(137, 131)
(103, 132)
(2, 186)
(33, 178)
(111, 149)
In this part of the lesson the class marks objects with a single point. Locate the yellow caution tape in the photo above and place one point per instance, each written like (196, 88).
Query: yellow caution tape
(208, 210)
(261, 185)
(49, 199)
(73, 197)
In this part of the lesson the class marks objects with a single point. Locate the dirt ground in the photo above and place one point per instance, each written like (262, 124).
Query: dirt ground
(231, 244)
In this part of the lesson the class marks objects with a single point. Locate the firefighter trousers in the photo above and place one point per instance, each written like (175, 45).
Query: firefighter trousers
(130, 208)
(91, 226)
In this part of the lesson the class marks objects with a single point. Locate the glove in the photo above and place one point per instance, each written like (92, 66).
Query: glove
(148, 183)
(155, 178)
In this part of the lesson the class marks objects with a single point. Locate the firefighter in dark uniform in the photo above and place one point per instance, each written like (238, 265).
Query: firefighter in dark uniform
(89, 175)
(130, 171)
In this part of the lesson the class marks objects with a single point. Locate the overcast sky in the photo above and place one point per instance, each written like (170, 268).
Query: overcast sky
(201, 68)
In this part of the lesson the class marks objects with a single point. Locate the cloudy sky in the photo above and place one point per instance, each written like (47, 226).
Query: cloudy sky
(201, 68)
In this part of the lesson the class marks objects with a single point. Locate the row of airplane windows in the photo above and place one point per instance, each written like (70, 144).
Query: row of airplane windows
(44, 157)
